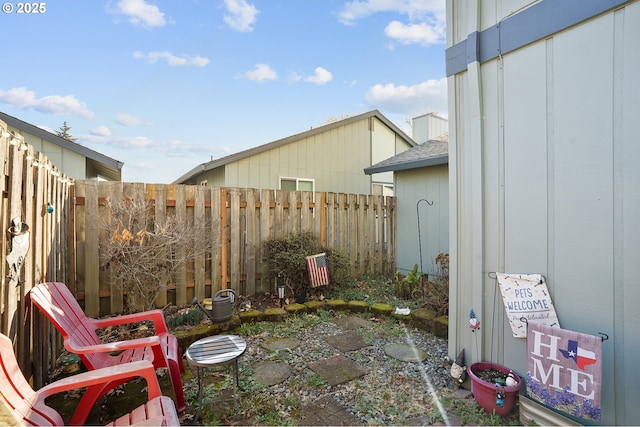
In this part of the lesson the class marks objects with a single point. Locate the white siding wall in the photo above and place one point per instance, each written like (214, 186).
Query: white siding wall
(70, 163)
(544, 158)
(428, 126)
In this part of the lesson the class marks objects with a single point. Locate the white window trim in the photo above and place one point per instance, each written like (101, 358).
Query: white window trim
(297, 180)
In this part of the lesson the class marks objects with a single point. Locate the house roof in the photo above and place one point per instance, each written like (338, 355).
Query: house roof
(213, 164)
(431, 153)
(105, 166)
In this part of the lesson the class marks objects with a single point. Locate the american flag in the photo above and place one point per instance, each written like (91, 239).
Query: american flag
(318, 270)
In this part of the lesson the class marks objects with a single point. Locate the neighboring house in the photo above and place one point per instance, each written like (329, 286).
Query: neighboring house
(327, 158)
(544, 155)
(421, 187)
(73, 160)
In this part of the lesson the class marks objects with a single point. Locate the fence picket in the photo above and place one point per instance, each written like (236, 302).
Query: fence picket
(251, 238)
(181, 273)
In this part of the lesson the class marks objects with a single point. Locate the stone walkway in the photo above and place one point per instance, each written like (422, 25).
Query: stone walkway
(326, 411)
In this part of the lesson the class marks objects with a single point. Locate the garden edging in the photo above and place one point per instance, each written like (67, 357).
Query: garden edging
(421, 318)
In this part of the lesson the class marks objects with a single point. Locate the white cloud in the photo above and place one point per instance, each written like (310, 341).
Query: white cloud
(423, 33)
(261, 73)
(430, 95)
(101, 136)
(56, 104)
(141, 13)
(101, 130)
(171, 59)
(427, 18)
(415, 9)
(126, 119)
(240, 15)
(320, 77)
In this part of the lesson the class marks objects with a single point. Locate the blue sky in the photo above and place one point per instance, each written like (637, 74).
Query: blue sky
(165, 85)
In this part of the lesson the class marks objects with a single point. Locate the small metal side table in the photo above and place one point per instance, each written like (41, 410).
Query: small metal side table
(212, 351)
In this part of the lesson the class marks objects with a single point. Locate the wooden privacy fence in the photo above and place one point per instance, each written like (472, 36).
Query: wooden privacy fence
(34, 191)
(362, 226)
(66, 222)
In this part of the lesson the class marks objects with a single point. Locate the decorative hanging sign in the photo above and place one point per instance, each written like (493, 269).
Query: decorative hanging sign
(526, 299)
(565, 370)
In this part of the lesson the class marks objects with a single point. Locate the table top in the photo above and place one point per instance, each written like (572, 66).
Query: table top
(216, 349)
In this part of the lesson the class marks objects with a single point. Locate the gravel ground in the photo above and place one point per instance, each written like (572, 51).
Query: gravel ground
(391, 393)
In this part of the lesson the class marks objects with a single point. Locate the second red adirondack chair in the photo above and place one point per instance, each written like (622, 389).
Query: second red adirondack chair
(78, 331)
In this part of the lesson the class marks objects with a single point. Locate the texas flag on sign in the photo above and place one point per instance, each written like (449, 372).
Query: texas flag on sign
(581, 356)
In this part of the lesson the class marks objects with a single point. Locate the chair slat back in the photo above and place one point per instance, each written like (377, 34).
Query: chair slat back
(18, 394)
(59, 305)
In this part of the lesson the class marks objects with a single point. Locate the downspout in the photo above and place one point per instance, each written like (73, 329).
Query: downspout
(467, 277)
(455, 318)
(476, 139)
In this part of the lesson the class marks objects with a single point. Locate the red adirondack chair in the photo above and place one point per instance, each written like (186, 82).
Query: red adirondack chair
(28, 406)
(78, 331)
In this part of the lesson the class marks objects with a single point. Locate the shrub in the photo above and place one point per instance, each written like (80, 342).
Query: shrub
(434, 292)
(409, 286)
(140, 252)
(286, 259)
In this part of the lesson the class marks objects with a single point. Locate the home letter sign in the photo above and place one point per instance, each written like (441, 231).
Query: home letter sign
(565, 370)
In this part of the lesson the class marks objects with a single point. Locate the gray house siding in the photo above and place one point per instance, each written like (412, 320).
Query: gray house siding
(544, 177)
(432, 237)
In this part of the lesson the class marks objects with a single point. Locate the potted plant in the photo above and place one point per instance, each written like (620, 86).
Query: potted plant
(494, 387)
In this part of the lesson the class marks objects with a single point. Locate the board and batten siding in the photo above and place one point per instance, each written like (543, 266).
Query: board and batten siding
(411, 186)
(73, 164)
(334, 160)
(544, 161)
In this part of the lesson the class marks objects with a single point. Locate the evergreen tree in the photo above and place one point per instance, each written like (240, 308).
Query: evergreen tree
(64, 132)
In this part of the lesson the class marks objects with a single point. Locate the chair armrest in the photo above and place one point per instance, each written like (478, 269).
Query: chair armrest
(112, 346)
(156, 316)
(142, 368)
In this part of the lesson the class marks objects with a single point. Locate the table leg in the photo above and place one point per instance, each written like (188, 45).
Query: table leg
(236, 383)
(199, 372)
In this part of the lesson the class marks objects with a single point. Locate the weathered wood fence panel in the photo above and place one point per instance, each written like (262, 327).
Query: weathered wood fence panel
(361, 226)
(35, 192)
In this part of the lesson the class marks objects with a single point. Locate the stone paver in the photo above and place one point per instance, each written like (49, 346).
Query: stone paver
(338, 369)
(277, 344)
(349, 341)
(325, 411)
(271, 373)
(352, 322)
(404, 352)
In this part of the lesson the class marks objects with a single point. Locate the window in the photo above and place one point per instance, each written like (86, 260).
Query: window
(299, 184)
(382, 190)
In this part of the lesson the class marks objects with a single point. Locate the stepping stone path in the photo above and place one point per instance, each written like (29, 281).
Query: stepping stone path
(326, 411)
(338, 369)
